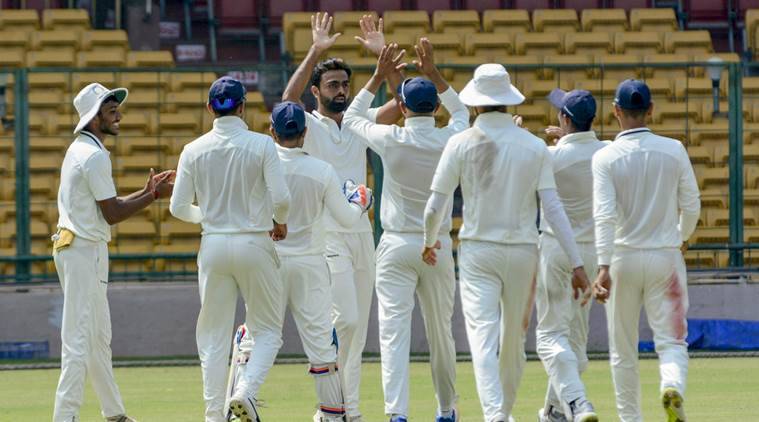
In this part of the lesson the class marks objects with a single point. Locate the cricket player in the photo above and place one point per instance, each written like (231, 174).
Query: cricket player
(235, 177)
(350, 251)
(562, 331)
(645, 205)
(409, 157)
(501, 169)
(87, 207)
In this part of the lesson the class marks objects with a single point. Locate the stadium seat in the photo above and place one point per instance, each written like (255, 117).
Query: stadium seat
(187, 245)
(637, 43)
(701, 154)
(456, 21)
(700, 71)
(538, 91)
(37, 124)
(534, 117)
(137, 163)
(62, 125)
(50, 58)
(176, 124)
(672, 66)
(414, 22)
(595, 44)
(490, 47)
(47, 100)
(55, 40)
(661, 89)
(105, 41)
(49, 144)
(581, 68)
(446, 45)
(694, 90)
(688, 42)
(713, 133)
(81, 79)
(678, 113)
(712, 177)
(653, 20)
(295, 21)
(46, 81)
(174, 230)
(11, 59)
(129, 145)
(538, 43)
(45, 163)
(104, 58)
(602, 89)
(183, 81)
(160, 58)
(144, 81)
(523, 74)
(19, 20)
(555, 20)
(604, 20)
(72, 20)
(752, 19)
(145, 101)
(135, 124)
(190, 101)
(710, 235)
(506, 21)
(13, 42)
(404, 41)
(619, 66)
(347, 23)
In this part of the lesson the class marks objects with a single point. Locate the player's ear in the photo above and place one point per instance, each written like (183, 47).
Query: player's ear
(404, 109)
(650, 111)
(273, 134)
(315, 92)
(210, 109)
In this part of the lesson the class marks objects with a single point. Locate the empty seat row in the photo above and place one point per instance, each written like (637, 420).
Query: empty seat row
(99, 40)
(27, 20)
(66, 58)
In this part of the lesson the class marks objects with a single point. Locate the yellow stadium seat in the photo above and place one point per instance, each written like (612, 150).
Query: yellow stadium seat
(50, 100)
(414, 22)
(534, 117)
(37, 124)
(637, 43)
(714, 133)
(45, 81)
(701, 154)
(49, 144)
(138, 163)
(514, 21)
(600, 88)
(81, 79)
(45, 163)
(604, 20)
(619, 66)
(555, 20)
(143, 101)
(710, 177)
(190, 101)
(141, 144)
(134, 124)
(347, 23)
(661, 89)
(160, 58)
(538, 43)
(653, 20)
(50, 58)
(144, 81)
(445, 45)
(62, 125)
(524, 74)
(596, 44)
(688, 42)
(12, 58)
(19, 20)
(678, 113)
(105, 41)
(104, 58)
(538, 90)
(14, 41)
(177, 124)
(404, 41)
(710, 235)
(456, 21)
(66, 19)
(490, 47)
(667, 65)
(346, 48)
(182, 81)
(700, 71)
(581, 69)
(173, 230)
(293, 22)
(301, 43)
(693, 90)
(255, 100)
(752, 20)
(55, 40)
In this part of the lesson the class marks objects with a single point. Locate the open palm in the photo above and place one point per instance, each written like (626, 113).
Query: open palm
(374, 37)
(320, 26)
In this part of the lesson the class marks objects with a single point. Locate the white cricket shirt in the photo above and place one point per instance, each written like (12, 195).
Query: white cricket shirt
(410, 155)
(86, 178)
(346, 153)
(500, 175)
(314, 187)
(572, 170)
(641, 184)
(235, 176)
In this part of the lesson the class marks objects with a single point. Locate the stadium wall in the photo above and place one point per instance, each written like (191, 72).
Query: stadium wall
(158, 319)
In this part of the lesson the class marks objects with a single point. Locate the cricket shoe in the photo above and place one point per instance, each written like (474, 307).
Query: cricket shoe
(320, 416)
(454, 417)
(582, 411)
(551, 415)
(120, 418)
(673, 405)
(244, 408)
(398, 418)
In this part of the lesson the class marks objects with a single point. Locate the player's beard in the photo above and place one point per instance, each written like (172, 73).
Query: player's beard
(334, 106)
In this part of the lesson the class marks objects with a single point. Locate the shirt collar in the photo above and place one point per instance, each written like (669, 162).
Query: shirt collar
(290, 152)
(229, 124)
(334, 130)
(91, 137)
(424, 122)
(578, 138)
(494, 119)
(633, 131)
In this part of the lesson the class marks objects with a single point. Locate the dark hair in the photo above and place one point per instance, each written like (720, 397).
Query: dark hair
(579, 126)
(228, 112)
(330, 64)
(634, 114)
(488, 109)
(291, 137)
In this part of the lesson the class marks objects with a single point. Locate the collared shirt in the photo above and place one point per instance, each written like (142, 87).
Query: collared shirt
(642, 182)
(409, 155)
(342, 149)
(86, 177)
(500, 168)
(314, 187)
(573, 172)
(235, 176)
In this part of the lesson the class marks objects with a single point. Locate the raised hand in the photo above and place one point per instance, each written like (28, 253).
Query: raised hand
(390, 60)
(425, 61)
(320, 26)
(374, 37)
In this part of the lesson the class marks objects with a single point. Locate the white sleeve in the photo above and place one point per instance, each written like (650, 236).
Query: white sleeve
(181, 203)
(344, 212)
(433, 216)
(97, 172)
(604, 210)
(688, 197)
(275, 183)
(554, 213)
(458, 111)
(358, 121)
(448, 171)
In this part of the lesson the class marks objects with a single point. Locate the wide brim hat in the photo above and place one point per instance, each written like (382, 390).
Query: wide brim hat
(88, 101)
(490, 86)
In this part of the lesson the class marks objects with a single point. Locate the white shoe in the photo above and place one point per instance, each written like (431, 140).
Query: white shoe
(583, 411)
(119, 418)
(672, 401)
(244, 408)
(551, 415)
(319, 416)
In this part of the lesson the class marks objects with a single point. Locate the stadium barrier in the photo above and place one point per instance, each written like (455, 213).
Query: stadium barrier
(166, 110)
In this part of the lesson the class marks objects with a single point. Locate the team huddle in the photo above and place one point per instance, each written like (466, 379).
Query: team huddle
(284, 223)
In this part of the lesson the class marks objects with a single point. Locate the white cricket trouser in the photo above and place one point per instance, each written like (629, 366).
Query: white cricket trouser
(401, 273)
(562, 331)
(496, 282)
(86, 331)
(656, 279)
(350, 257)
(226, 263)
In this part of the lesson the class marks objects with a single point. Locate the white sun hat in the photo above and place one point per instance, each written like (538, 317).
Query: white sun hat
(88, 101)
(490, 86)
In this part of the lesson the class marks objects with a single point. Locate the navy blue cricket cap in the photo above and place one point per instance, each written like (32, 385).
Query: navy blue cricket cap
(288, 119)
(419, 95)
(633, 95)
(578, 104)
(226, 93)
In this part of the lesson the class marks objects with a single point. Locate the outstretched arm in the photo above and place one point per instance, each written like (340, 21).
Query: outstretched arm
(322, 41)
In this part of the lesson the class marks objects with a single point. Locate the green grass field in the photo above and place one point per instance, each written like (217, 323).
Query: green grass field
(718, 390)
